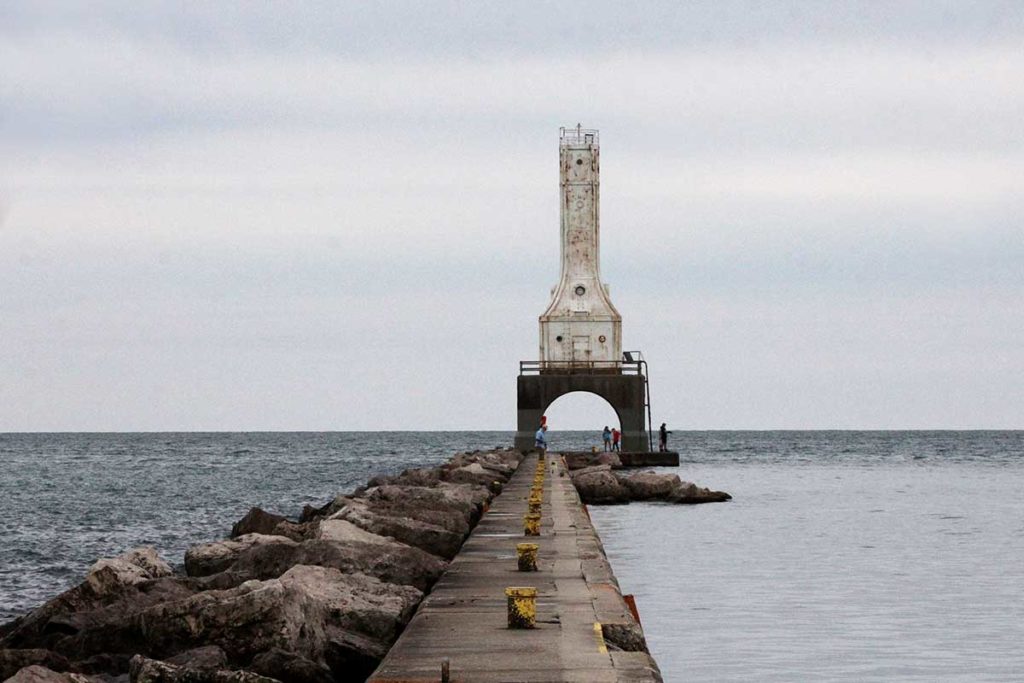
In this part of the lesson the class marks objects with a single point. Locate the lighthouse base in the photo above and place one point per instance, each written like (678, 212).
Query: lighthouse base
(625, 393)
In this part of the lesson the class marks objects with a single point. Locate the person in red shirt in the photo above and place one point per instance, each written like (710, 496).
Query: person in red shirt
(616, 436)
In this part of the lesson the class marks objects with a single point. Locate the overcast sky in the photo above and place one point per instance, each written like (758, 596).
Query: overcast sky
(333, 216)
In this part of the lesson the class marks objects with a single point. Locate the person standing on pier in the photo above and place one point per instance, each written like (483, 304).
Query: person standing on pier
(663, 438)
(606, 435)
(616, 437)
(541, 441)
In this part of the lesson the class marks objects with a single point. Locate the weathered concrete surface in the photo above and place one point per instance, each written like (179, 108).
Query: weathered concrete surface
(464, 617)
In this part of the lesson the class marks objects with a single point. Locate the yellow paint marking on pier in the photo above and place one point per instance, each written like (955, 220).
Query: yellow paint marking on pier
(599, 636)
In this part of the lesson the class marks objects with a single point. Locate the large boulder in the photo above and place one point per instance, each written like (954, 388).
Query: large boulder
(40, 674)
(341, 530)
(210, 558)
(474, 473)
(437, 502)
(110, 575)
(598, 486)
(144, 670)
(134, 579)
(484, 468)
(422, 476)
(650, 485)
(492, 462)
(256, 521)
(291, 667)
(342, 621)
(689, 493)
(12, 661)
(386, 559)
(450, 506)
(203, 657)
(428, 537)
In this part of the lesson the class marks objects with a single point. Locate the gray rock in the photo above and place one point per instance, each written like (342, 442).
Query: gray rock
(446, 505)
(12, 661)
(296, 532)
(474, 473)
(424, 476)
(144, 670)
(578, 461)
(137, 577)
(598, 486)
(288, 666)
(628, 637)
(40, 674)
(650, 485)
(343, 531)
(689, 493)
(492, 462)
(430, 538)
(386, 559)
(209, 558)
(256, 521)
(611, 459)
(316, 613)
(205, 657)
(590, 469)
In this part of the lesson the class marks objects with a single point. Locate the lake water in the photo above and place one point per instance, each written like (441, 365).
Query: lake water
(844, 555)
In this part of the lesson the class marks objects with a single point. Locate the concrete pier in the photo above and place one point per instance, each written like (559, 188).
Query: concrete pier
(464, 620)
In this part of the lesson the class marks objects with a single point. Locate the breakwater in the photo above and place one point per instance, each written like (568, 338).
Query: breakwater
(319, 597)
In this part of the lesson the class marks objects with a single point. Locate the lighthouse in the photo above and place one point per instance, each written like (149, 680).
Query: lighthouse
(580, 327)
(580, 331)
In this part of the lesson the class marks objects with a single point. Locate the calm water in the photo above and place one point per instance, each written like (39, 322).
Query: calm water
(844, 556)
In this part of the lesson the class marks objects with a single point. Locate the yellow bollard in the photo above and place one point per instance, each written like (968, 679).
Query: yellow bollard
(531, 524)
(522, 607)
(527, 553)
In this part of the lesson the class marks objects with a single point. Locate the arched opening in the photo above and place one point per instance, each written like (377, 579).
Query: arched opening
(625, 394)
(575, 421)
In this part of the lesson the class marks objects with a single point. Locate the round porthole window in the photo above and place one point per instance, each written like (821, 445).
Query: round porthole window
(580, 290)
(579, 162)
(601, 339)
(558, 338)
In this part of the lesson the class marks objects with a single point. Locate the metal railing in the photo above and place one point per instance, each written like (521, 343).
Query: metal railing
(577, 136)
(580, 367)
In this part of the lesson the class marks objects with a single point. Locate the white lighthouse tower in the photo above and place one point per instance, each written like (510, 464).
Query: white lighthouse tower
(580, 328)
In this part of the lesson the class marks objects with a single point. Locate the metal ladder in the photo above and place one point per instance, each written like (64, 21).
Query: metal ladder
(637, 357)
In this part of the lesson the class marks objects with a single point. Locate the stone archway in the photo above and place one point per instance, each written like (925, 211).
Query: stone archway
(625, 394)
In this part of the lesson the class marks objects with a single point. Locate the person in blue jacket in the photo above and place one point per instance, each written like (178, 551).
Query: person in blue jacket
(541, 441)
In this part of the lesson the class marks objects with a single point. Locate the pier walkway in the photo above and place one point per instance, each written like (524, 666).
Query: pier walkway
(464, 619)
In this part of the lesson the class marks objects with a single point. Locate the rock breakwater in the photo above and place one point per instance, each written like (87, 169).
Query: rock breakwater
(314, 599)
(599, 479)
